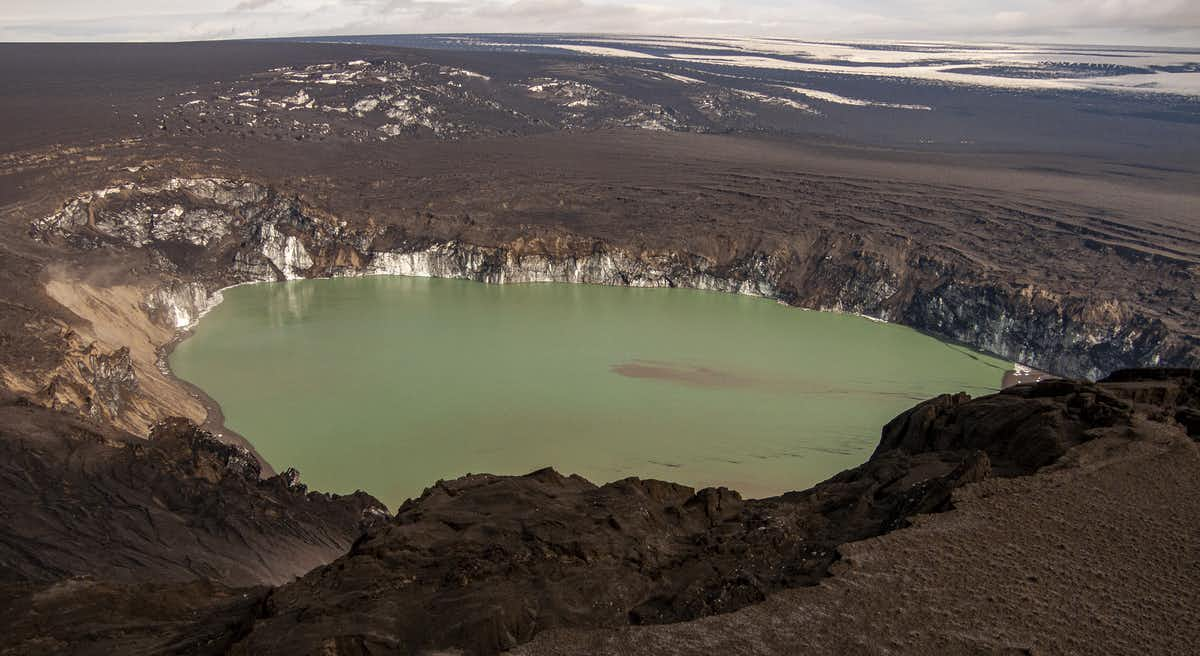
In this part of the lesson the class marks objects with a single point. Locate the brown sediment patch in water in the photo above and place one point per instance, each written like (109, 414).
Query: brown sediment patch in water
(704, 377)
(700, 376)
(691, 375)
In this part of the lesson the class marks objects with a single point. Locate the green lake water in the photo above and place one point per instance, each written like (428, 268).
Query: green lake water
(390, 383)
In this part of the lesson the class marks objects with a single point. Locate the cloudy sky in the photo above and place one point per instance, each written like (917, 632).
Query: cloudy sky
(1148, 22)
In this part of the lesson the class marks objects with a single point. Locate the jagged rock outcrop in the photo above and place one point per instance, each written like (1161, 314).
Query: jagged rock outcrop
(143, 214)
(113, 378)
(1020, 429)
(79, 499)
(95, 383)
(214, 232)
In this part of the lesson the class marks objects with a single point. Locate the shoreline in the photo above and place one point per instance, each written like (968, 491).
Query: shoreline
(214, 421)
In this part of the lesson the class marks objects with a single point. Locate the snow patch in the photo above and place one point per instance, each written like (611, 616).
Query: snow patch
(843, 100)
(301, 98)
(681, 78)
(774, 100)
(366, 105)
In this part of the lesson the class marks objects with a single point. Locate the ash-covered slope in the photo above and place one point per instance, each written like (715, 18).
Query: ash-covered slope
(81, 499)
(486, 563)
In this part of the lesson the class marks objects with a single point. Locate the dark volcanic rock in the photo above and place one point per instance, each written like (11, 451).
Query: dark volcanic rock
(91, 617)
(79, 499)
(508, 557)
(1164, 394)
(1021, 429)
(483, 563)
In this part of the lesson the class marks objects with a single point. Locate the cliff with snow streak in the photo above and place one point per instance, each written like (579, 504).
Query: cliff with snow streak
(211, 233)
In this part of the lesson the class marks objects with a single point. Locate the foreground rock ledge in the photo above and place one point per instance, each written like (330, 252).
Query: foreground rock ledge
(485, 563)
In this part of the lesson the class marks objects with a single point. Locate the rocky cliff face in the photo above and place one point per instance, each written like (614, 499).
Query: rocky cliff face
(215, 232)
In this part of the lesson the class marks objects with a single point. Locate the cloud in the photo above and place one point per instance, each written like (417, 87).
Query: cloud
(1083, 15)
(1158, 22)
(535, 9)
(251, 5)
